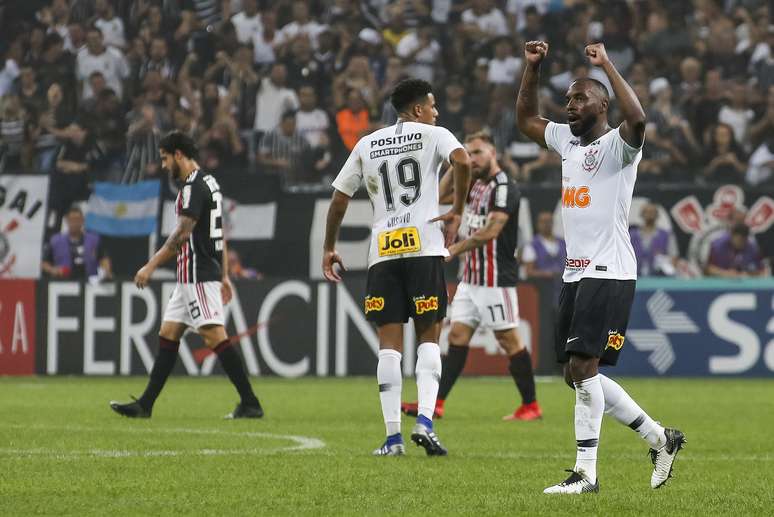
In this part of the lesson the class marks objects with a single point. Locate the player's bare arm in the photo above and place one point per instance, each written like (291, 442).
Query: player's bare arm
(495, 222)
(168, 251)
(226, 288)
(461, 175)
(527, 107)
(336, 211)
(633, 128)
(446, 187)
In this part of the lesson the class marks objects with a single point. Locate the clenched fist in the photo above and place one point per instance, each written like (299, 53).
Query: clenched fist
(535, 51)
(597, 54)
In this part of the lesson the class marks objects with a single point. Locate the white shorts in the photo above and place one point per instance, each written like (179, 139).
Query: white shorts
(196, 305)
(496, 308)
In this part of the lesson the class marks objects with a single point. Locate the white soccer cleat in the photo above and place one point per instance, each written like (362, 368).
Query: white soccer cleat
(664, 458)
(396, 449)
(575, 484)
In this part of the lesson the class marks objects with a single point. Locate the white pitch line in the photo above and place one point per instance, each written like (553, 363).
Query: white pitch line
(301, 443)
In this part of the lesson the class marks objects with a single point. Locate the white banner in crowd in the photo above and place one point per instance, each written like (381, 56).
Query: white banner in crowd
(23, 201)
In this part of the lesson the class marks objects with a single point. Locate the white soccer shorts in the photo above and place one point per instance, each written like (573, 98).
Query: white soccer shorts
(496, 308)
(196, 304)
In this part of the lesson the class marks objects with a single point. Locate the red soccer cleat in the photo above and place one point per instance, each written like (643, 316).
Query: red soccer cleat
(529, 411)
(412, 408)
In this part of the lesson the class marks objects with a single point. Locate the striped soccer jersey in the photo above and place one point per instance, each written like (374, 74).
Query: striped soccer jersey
(493, 264)
(200, 258)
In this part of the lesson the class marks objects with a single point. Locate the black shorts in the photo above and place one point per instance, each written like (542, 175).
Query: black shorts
(592, 319)
(399, 289)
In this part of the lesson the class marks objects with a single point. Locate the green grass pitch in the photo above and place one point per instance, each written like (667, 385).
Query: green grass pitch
(62, 451)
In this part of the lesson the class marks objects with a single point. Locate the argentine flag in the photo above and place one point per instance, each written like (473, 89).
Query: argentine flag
(124, 210)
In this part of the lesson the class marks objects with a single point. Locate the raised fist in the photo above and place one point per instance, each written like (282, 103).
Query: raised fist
(535, 51)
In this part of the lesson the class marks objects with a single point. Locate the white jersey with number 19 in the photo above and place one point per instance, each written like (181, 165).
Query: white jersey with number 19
(400, 165)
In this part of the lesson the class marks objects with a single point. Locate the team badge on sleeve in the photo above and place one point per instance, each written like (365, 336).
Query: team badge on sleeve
(614, 340)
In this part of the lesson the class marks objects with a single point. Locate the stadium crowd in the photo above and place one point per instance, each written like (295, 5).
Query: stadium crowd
(286, 87)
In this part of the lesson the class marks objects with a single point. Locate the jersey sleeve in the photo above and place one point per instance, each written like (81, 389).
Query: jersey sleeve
(506, 198)
(447, 143)
(624, 151)
(556, 135)
(351, 175)
(194, 200)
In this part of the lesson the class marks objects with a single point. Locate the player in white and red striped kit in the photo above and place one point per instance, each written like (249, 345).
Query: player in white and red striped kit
(486, 294)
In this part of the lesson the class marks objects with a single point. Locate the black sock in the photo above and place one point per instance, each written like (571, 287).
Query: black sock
(162, 367)
(232, 364)
(521, 371)
(453, 363)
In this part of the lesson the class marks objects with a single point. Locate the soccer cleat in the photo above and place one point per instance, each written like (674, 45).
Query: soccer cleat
(529, 411)
(575, 484)
(412, 409)
(130, 409)
(244, 411)
(391, 447)
(664, 459)
(425, 437)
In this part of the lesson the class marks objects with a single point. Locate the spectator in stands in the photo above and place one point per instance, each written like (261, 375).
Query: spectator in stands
(725, 159)
(357, 76)
(10, 70)
(452, 106)
(395, 29)
(484, 21)
(142, 155)
(420, 51)
(13, 122)
(273, 99)
(734, 255)
(284, 151)
(157, 60)
(301, 66)
(48, 130)
(690, 85)
(353, 121)
(265, 41)
(302, 25)
(31, 95)
(544, 255)
(76, 254)
(504, 66)
(704, 109)
(110, 25)
(247, 22)
(654, 247)
(237, 270)
(737, 114)
(761, 165)
(72, 174)
(97, 57)
(311, 121)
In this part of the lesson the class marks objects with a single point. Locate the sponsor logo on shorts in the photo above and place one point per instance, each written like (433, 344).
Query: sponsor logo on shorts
(401, 240)
(614, 340)
(576, 264)
(374, 304)
(424, 304)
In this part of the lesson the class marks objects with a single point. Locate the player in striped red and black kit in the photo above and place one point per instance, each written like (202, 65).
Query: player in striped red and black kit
(202, 280)
(486, 294)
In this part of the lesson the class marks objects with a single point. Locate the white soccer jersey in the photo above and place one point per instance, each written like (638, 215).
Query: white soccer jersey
(400, 165)
(597, 185)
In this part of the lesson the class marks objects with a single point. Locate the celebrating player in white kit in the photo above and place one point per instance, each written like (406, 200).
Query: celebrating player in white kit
(399, 166)
(599, 168)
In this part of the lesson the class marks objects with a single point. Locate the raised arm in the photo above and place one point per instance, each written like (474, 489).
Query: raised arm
(528, 115)
(633, 127)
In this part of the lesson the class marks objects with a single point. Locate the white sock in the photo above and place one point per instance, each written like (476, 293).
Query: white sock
(589, 407)
(623, 408)
(390, 378)
(428, 372)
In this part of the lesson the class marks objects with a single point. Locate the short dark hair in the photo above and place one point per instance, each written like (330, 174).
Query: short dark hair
(740, 229)
(480, 135)
(179, 141)
(74, 209)
(408, 92)
(598, 85)
(291, 113)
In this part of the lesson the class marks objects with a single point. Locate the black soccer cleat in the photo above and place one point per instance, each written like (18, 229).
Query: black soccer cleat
(664, 459)
(130, 409)
(423, 436)
(245, 411)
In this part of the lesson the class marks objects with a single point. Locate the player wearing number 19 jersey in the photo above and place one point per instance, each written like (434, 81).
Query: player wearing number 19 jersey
(202, 280)
(599, 168)
(399, 166)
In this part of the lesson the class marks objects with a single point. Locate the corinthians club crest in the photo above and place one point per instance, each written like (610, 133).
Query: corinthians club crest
(590, 160)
